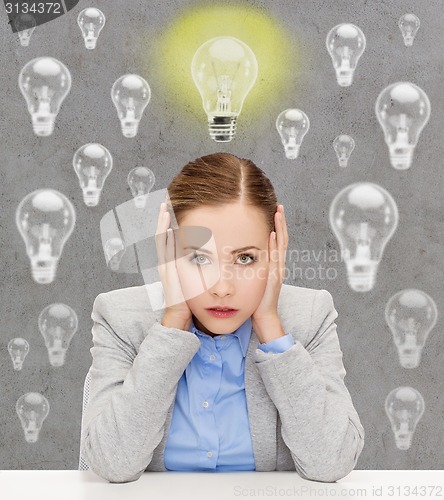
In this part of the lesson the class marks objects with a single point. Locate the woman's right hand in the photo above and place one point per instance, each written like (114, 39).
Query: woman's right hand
(177, 314)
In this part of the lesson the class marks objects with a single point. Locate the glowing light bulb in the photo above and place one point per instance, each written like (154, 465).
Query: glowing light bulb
(91, 21)
(131, 95)
(57, 324)
(25, 25)
(292, 125)
(44, 83)
(345, 44)
(343, 146)
(140, 180)
(114, 251)
(45, 219)
(404, 407)
(32, 408)
(18, 349)
(92, 164)
(363, 217)
(402, 109)
(411, 314)
(409, 25)
(224, 70)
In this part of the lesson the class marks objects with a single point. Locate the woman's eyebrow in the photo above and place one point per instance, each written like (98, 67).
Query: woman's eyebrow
(243, 249)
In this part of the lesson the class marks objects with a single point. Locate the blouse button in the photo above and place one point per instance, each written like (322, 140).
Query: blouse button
(212, 357)
(209, 454)
(205, 404)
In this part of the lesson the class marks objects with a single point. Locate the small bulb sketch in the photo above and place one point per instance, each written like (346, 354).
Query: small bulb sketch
(363, 217)
(57, 324)
(404, 407)
(345, 44)
(224, 70)
(292, 125)
(410, 314)
(130, 95)
(92, 163)
(32, 408)
(91, 22)
(140, 180)
(409, 25)
(114, 251)
(402, 109)
(18, 349)
(44, 83)
(25, 25)
(343, 146)
(45, 219)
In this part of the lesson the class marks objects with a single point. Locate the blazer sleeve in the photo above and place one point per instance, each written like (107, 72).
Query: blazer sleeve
(130, 393)
(320, 425)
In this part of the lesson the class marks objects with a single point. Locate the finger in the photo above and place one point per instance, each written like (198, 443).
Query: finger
(284, 226)
(161, 236)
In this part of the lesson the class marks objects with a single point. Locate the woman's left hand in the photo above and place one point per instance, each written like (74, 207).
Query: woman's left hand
(267, 309)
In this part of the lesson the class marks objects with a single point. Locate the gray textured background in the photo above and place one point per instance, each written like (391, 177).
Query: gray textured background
(413, 258)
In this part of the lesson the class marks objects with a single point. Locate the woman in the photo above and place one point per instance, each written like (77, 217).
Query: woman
(188, 388)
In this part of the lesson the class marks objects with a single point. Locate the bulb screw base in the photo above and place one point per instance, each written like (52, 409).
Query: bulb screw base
(222, 128)
(344, 78)
(129, 129)
(44, 271)
(410, 360)
(91, 198)
(43, 126)
(90, 43)
(362, 282)
(291, 152)
(343, 162)
(402, 160)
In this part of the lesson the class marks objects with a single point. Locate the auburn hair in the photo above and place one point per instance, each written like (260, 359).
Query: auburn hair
(220, 178)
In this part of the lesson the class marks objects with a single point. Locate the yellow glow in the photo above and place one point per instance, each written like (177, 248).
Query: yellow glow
(275, 50)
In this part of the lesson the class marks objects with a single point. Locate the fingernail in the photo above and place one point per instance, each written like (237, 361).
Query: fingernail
(274, 235)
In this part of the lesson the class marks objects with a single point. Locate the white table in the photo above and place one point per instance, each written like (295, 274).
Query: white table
(86, 485)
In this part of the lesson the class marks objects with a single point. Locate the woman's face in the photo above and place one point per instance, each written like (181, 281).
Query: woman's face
(215, 272)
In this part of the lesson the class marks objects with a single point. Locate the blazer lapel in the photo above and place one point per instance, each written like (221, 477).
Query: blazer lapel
(262, 412)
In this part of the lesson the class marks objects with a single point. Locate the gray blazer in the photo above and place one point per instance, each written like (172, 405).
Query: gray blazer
(300, 412)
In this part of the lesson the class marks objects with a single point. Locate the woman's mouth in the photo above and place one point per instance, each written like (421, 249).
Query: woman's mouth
(222, 312)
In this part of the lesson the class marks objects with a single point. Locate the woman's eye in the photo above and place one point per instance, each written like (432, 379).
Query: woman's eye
(197, 256)
(251, 257)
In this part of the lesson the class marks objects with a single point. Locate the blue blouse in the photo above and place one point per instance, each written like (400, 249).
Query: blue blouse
(210, 430)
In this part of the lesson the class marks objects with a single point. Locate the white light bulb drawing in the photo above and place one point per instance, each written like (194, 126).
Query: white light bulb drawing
(292, 125)
(411, 314)
(92, 164)
(18, 349)
(343, 146)
(345, 44)
(45, 219)
(91, 22)
(44, 83)
(224, 70)
(140, 180)
(25, 25)
(131, 95)
(402, 109)
(363, 217)
(409, 26)
(32, 408)
(404, 407)
(57, 324)
(114, 251)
